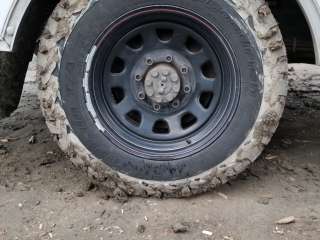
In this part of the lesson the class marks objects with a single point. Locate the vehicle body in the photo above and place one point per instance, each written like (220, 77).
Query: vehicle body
(12, 12)
(162, 158)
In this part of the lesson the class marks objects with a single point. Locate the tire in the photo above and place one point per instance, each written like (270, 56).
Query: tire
(82, 112)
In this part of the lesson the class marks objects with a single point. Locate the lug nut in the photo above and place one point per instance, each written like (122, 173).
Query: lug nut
(187, 89)
(165, 73)
(149, 61)
(156, 107)
(149, 92)
(184, 70)
(154, 74)
(176, 103)
(138, 77)
(169, 59)
(141, 95)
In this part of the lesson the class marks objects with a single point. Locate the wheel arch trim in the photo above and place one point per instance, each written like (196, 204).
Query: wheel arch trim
(11, 15)
(311, 10)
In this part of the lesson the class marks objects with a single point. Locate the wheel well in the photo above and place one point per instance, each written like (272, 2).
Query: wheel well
(295, 30)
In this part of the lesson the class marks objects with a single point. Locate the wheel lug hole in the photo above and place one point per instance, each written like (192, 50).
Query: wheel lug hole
(138, 77)
(184, 70)
(187, 89)
(169, 59)
(149, 61)
(156, 107)
(141, 95)
(176, 103)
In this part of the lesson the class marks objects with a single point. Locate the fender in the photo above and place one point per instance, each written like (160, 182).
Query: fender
(12, 12)
(311, 10)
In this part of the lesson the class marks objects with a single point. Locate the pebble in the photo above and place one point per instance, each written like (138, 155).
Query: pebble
(3, 149)
(265, 200)
(180, 228)
(286, 220)
(208, 233)
(22, 187)
(80, 194)
(141, 228)
(120, 195)
(222, 195)
(32, 140)
(59, 189)
(89, 186)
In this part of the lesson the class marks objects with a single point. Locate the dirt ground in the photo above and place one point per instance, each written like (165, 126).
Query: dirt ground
(43, 196)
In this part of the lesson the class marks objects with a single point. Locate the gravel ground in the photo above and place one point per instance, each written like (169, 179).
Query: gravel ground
(43, 196)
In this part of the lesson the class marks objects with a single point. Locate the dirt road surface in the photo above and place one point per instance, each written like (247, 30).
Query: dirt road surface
(43, 196)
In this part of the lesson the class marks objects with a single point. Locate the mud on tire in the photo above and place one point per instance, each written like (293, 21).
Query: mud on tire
(201, 171)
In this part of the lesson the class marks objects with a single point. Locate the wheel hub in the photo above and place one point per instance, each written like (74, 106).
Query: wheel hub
(162, 83)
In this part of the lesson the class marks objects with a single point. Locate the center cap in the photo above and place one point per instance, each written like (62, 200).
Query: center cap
(162, 83)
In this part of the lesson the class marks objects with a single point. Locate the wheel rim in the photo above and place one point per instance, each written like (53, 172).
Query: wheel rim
(144, 110)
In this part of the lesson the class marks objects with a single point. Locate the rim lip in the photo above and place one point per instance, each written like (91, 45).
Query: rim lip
(167, 151)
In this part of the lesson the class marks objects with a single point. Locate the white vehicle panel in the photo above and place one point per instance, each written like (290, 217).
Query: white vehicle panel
(12, 11)
(311, 10)
(5, 8)
(11, 14)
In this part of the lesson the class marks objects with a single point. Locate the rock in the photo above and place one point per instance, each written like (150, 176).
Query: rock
(3, 149)
(222, 195)
(141, 228)
(286, 220)
(265, 200)
(271, 157)
(32, 140)
(304, 78)
(89, 186)
(206, 232)
(186, 192)
(59, 189)
(4, 140)
(22, 187)
(279, 231)
(120, 195)
(180, 228)
(80, 194)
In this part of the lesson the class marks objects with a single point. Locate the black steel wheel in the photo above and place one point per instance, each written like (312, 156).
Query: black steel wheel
(166, 97)
(162, 84)
(164, 87)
